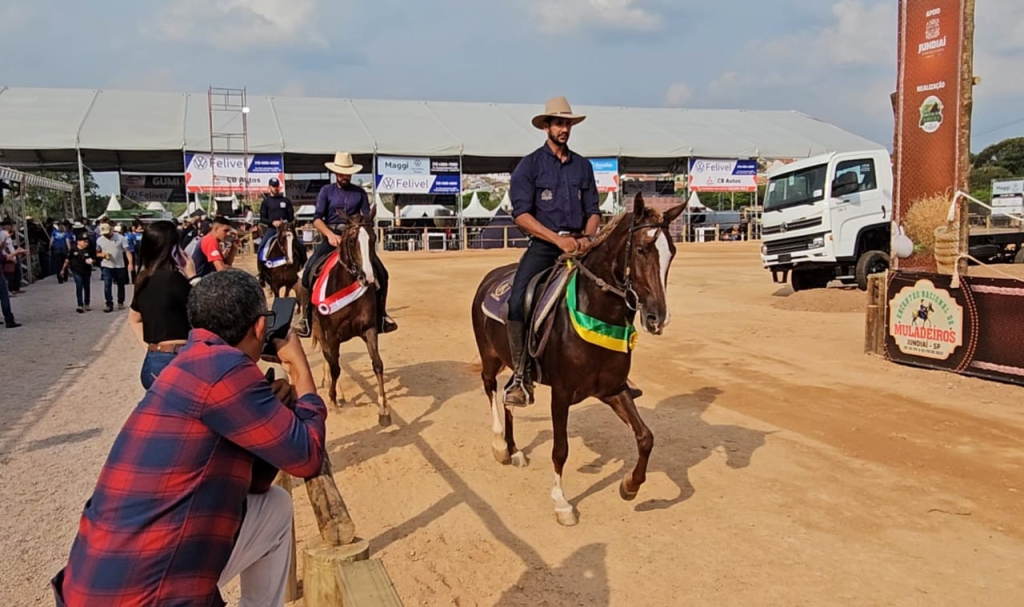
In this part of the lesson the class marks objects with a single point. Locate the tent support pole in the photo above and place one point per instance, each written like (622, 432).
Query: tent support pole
(81, 182)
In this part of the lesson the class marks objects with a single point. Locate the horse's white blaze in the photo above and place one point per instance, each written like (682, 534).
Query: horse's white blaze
(288, 246)
(364, 253)
(561, 505)
(664, 257)
(652, 232)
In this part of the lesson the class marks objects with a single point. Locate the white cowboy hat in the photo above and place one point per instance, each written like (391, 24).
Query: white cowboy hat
(557, 107)
(343, 164)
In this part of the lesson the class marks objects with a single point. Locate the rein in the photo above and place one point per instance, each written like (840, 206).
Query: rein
(624, 289)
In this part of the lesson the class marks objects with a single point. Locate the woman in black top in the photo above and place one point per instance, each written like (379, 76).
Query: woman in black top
(159, 310)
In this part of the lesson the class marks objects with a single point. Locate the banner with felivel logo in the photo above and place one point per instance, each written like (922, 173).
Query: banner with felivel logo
(606, 174)
(153, 188)
(228, 173)
(709, 175)
(418, 175)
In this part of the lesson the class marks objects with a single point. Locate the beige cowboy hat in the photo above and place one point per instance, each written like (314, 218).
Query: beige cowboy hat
(343, 164)
(557, 107)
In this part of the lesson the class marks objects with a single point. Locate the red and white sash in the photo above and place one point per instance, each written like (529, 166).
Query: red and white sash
(328, 305)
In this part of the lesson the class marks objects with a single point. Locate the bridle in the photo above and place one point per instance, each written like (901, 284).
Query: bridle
(346, 252)
(624, 288)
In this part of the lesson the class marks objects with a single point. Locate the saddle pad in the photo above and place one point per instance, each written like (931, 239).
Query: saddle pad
(327, 304)
(495, 305)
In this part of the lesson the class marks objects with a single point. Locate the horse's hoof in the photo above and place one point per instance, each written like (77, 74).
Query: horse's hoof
(384, 420)
(519, 460)
(567, 518)
(500, 452)
(625, 493)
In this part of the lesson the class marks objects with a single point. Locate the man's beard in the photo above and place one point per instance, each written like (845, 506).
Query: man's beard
(556, 142)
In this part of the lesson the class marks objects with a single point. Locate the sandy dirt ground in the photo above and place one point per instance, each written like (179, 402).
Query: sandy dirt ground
(788, 467)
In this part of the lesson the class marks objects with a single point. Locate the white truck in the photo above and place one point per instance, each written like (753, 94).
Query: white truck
(828, 218)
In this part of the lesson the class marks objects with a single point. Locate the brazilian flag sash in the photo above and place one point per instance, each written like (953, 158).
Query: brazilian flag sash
(595, 331)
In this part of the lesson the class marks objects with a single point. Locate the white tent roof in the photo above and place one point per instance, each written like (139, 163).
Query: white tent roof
(306, 209)
(149, 130)
(418, 211)
(609, 207)
(155, 206)
(475, 210)
(113, 205)
(382, 211)
(506, 203)
(694, 204)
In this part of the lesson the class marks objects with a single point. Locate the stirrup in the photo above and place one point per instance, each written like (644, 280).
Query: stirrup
(516, 400)
(387, 325)
(304, 329)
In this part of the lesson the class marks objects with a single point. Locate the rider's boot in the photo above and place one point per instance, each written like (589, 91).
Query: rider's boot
(516, 392)
(305, 327)
(387, 324)
(634, 390)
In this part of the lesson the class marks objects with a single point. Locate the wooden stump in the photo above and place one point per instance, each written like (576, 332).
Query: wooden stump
(875, 328)
(321, 563)
(291, 592)
(367, 584)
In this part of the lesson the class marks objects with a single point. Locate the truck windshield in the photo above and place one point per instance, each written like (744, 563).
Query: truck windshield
(800, 187)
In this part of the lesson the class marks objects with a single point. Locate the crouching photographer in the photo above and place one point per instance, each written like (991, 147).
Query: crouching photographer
(185, 501)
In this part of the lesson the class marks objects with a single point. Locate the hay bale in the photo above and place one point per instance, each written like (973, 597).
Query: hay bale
(923, 217)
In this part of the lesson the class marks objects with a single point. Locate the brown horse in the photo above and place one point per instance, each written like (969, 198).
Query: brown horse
(285, 276)
(360, 317)
(624, 270)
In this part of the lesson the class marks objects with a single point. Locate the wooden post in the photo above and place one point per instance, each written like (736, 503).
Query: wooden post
(875, 321)
(336, 526)
(337, 543)
(291, 591)
(966, 107)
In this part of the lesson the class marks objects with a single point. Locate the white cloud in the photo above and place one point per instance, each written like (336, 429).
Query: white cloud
(240, 24)
(862, 33)
(14, 17)
(561, 16)
(678, 94)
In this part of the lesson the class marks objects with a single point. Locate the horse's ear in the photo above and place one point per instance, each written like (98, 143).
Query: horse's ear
(674, 212)
(638, 204)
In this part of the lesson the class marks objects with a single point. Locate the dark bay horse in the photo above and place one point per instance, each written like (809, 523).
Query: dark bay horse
(360, 317)
(286, 246)
(623, 271)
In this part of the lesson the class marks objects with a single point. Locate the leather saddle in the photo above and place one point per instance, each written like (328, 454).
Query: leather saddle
(542, 294)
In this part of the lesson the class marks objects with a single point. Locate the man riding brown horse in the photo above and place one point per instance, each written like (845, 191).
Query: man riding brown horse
(554, 200)
(275, 209)
(335, 204)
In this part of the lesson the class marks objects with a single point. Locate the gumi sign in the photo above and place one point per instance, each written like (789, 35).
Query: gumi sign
(926, 321)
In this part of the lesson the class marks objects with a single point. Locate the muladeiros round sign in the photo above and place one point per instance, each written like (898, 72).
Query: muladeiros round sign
(925, 320)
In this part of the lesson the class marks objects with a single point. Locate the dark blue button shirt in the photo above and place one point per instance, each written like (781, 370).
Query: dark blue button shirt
(561, 196)
(334, 202)
(276, 208)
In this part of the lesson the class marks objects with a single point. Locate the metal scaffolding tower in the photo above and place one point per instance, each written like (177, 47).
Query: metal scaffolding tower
(229, 134)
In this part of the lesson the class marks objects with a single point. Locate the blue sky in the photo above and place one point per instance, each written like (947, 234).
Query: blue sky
(832, 59)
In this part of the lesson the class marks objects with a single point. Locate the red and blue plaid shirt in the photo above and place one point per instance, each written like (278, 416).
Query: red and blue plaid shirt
(162, 521)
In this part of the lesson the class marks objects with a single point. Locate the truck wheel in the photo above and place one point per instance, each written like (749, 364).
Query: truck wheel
(870, 262)
(803, 280)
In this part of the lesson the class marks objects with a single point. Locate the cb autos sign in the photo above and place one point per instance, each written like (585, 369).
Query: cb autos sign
(228, 173)
(723, 175)
(419, 175)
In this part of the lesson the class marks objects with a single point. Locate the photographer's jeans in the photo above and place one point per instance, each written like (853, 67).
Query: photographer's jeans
(152, 365)
(110, 276)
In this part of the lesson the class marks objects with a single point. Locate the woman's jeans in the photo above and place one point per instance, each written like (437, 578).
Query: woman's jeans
(153, 364)
(83, 288)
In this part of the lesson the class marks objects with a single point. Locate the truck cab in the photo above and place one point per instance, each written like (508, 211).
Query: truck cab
(828, 218)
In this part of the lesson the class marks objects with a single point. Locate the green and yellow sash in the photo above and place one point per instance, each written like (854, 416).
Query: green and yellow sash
(595, 331)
